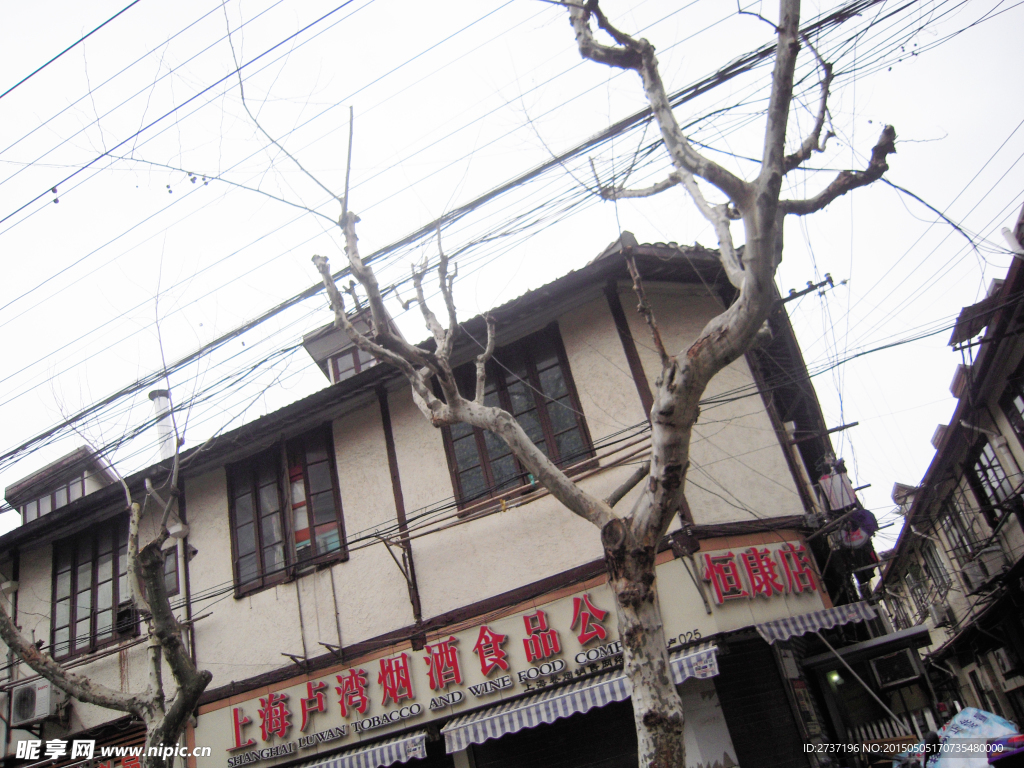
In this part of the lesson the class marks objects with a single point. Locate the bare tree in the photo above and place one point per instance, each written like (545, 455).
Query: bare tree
(631, 540)
(164, 720)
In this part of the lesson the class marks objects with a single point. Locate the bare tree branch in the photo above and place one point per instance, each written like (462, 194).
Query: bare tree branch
(848, 180)
(481, 362)
(644, 308)
(813, 142)
(630, 483)
(639, 55)
(618, 193)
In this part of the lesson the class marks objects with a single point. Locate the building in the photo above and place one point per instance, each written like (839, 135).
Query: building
(957, 567)
(368, 588)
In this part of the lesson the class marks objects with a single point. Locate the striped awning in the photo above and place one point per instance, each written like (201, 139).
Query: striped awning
(399, 749)
(783, 629)
(700, 661)
(582, 696)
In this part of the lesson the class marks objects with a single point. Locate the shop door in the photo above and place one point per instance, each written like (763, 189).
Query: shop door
(761, 723)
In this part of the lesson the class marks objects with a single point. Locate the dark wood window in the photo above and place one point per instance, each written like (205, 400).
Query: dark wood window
(990, 483)
(276, 526)
(91, 602)
(171, 572)
(1012, 402)
(70, 491)
(531, 380)
(958, 524)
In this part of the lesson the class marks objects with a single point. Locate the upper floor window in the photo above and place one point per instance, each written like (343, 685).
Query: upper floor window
(961, 533)
(91, 602)
(915, 585)
(898, 612)
(990, 482)
(55, 499)
(531, 380)
(935, 568)
(1012, 402)
(276, 524)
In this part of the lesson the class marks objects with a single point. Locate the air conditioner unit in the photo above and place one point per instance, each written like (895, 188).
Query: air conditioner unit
(974, 576)
(896, 669)
(940, 614)
(34, 702)
(993, 560)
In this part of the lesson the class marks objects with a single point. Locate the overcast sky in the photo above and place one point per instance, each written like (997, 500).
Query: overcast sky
(135, 184)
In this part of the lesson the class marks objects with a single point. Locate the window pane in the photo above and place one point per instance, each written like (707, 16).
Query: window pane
(320, 477)
(122, 589)
(82, 632)
(521, 399)
(63, 584)
(60, 497)
(324, 510)
(460, 430)
(504, 473)
(466, 454)
(171, 572)
(530, 422)
(84, 575)
(316, 451)
(243, 509)
(552, 383)
(246, 536)
(267, 470)
(83, 603)
(104, 625)
(272, 532)
(60, 641)
(298, 492)
(247, 571)
(570, 446)
(31, 510)
(496, 447)
(44, 506)
(62, 613)
(75, 489)
(104, 596)
(269, 502)
(273, 559)
(561, 414)
(105, 567)
(327, 539)
(472, 483)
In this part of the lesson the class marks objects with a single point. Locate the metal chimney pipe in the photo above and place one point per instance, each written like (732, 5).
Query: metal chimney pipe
(164, 428)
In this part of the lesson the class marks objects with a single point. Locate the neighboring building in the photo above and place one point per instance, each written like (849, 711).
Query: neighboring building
(367, 587)
(957, 567)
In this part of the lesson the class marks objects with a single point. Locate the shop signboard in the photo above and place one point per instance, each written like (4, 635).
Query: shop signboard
(490, 659)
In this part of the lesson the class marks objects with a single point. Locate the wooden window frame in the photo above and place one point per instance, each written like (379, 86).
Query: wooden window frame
(523, 486)
(278, 454)
(35, 504)
(983, 456)
(171, 556)
(120, 629)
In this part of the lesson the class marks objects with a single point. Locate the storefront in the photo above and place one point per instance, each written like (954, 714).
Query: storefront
(545, 679)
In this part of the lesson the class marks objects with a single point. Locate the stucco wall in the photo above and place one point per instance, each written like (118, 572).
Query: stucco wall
(738, 471)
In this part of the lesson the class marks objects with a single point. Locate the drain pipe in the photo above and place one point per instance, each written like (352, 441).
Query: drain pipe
(164, 427)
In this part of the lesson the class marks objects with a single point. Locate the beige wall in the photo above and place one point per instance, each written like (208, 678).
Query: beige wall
(738, 470)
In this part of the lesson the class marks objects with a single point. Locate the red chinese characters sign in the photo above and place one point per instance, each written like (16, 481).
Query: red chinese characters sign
(760, 572)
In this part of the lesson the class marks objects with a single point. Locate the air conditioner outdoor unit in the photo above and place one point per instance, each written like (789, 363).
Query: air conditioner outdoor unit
(974, 576)
(940, 614)
(34, 702)
(896, 669)
(993, 561)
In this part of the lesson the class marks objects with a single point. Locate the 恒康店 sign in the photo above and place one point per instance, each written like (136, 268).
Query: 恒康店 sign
(548, 644)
